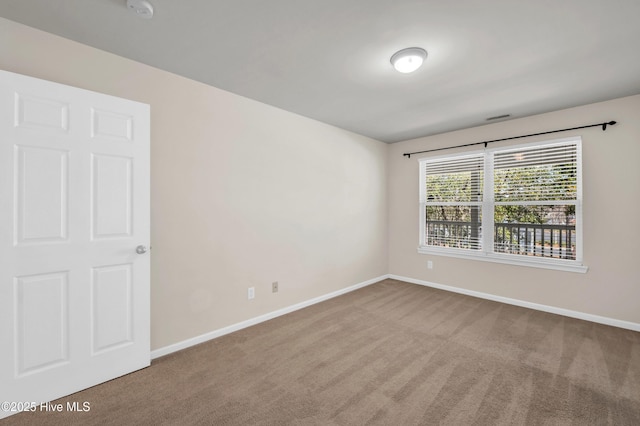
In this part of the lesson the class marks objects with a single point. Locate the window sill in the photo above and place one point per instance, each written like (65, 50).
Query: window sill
(557, 264)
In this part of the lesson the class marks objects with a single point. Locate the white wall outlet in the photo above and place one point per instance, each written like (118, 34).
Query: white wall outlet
(430, 264)
(274, 287)
(251, 293)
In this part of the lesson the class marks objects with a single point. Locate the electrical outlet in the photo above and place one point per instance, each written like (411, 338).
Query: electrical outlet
(429, 264)
(251, 293)
(274, 287)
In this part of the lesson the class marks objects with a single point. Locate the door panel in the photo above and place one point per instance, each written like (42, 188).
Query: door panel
(74, 205)
(42, 198)
(112, 185)
(41, 113)
(41, 307)
(112, 310)
(111, 125)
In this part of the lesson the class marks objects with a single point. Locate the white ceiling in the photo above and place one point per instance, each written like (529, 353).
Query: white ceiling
(329, 59)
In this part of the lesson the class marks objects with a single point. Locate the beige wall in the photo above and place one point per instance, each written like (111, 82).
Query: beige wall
(611, 190)
(243, 194)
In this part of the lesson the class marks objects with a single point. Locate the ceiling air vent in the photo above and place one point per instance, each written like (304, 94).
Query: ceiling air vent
(498, 117)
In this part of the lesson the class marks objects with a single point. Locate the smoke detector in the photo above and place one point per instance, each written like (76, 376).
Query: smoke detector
(142, 8)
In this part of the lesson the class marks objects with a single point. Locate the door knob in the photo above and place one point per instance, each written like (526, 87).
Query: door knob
(141, 249)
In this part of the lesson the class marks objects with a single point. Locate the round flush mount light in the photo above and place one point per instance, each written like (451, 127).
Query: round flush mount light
(409, 59)
(142, 8)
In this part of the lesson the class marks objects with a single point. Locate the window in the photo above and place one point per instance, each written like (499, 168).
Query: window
(519, 205)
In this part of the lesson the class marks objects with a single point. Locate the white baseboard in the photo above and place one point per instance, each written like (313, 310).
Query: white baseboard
(257, 320)
(551, 309)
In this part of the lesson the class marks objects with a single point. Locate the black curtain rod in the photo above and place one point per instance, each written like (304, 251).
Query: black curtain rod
(603, 125)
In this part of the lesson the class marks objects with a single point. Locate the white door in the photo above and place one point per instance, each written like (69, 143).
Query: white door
(74, 207)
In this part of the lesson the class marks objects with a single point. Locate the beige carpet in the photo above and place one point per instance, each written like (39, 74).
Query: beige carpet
(389, 354)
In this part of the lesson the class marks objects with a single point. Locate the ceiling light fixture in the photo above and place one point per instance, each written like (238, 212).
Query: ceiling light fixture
(409, 59)
(142, 8)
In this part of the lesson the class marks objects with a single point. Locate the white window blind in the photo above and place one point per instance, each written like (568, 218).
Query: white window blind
(518, 204)
(536, 192)
(453, 202)
(536, 174)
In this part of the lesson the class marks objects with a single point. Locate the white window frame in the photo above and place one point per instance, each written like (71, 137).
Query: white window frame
(486, 253)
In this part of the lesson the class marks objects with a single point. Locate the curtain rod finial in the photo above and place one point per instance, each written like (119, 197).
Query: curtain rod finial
(408, 155)
(610, 123)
